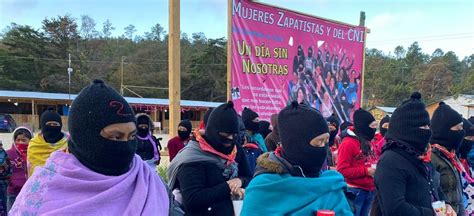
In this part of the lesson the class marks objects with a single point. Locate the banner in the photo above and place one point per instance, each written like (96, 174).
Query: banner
(279, 56)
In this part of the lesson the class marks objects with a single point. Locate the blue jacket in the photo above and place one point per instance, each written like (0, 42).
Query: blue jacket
(279, 193)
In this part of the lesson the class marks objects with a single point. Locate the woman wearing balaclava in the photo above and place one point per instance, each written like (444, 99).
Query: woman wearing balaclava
(289, 181)
(403, 180)
(356, 161)
(448, 133)
(334, 140)
(273, 139)
(148, 147)
(379, 139)
(178, 142)
(100, 174)
(205, 173)
(49, 140)
(466, 145)
(252, 125)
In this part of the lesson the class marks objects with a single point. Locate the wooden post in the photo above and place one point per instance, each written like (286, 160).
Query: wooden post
(33, 117)
(174, 64)
(362, 24)
(229, 50)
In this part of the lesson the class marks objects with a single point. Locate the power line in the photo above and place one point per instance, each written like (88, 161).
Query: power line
(429, 36)
(109, 62)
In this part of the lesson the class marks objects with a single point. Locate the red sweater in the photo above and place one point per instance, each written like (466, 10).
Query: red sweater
(174, 146)
(352, 164)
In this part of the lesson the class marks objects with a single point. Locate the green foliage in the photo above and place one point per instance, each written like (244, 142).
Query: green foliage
(390, 79)
(162, 172)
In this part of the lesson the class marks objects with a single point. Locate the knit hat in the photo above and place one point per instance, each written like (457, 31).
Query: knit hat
(443, 119)
(222, 119)
(248, 116)
(466, 145)
(185, 134)
(51, 134)
(384, 120)
(96, 107)
(406, 121)
(298, 125)
(362, 121)
(333, 121)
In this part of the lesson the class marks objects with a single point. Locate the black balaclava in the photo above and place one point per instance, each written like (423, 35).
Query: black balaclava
(310, 52)
(298, 125)
(143, 132)
(362, 121)
(384, 120)
(248, 116)
(406, 121)
(184, 135)
(442, 120)
(328, 56)
(222, 119)
(206, 115)
(96, 107)
(466, 145)
(51, 134)
(334, 121)
(264, 128)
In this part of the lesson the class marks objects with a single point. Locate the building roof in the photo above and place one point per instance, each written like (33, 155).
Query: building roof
(467, 98)
(386, 109)
(131, 100)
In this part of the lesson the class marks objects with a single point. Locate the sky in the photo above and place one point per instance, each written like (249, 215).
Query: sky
(445, 24)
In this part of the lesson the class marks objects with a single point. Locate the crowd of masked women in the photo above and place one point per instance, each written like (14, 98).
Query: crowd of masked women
(297, 164)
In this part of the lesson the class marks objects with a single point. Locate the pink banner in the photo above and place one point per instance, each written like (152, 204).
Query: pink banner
(279, 56)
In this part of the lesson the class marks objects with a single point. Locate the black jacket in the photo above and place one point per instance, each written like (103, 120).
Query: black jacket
(204, 188)
(145, 148)
(450, 181)
(404, 185)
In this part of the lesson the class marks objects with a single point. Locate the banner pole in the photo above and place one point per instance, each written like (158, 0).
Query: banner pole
(362, 24)
(229, 49)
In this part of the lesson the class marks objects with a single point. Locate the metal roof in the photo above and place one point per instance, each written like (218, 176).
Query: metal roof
(386, 109)
(131, 100)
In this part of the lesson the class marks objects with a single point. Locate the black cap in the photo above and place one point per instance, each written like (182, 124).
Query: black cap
(362, 121)
(50, 115)
(443, 119)
(96, 107)
(187, 124)
(406, 121)
(222, 119)
(298, 125)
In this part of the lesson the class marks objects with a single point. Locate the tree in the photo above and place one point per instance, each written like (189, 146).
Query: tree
(129, 31)
(400, 52)
(88, 27)
(156, 33)
(107, 29)
(62, 34)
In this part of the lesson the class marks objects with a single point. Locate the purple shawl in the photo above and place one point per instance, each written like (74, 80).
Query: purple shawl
(66, 187)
